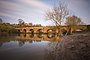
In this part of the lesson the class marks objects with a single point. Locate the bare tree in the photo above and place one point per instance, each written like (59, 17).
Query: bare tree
(57, 15)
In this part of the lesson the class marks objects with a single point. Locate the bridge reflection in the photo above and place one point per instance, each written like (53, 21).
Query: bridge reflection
(38, 37)
(23, 38)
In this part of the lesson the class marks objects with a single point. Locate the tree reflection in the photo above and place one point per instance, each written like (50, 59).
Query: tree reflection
(21, 43)
(1, 44)
(30, 41)
(50, 35)
(53, 51)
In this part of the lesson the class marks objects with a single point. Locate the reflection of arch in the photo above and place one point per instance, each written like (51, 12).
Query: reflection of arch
(40, 35)
(40, 31)
(24, 30)
(50, 31)
(31, 31)
(63, 31)
(24, 35)
(31, 35)
(50, 35)
(18, 30)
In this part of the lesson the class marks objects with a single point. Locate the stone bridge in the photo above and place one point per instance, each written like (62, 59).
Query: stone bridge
(38, 29)
(47, 29)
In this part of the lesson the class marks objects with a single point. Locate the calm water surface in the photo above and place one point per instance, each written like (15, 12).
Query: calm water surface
(27, 46)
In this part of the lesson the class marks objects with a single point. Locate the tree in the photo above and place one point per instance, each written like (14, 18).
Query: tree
(8, 28)
(21, 22)
(72, 21)
(1, 20)
(57, 15)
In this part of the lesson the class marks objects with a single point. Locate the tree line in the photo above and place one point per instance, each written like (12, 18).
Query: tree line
(11, 28)
(6, 27)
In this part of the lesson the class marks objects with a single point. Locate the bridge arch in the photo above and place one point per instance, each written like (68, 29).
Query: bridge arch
(40, 31)
(24, 30)
(18, 30)
(31, 31)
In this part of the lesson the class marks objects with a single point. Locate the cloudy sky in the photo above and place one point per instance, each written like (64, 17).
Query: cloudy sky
(34, 10)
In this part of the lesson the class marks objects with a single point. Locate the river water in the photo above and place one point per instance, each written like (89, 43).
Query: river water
(28, 46)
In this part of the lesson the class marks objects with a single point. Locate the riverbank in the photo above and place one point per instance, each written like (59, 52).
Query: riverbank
(71, 47)
(75, 47)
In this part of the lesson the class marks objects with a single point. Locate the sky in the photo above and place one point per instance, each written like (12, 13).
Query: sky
(33, 11)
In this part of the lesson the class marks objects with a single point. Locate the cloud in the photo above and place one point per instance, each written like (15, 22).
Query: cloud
(34, 10)
(29, 10)
(36, 4)
(7, 15)
(80, 8)
(23, 6)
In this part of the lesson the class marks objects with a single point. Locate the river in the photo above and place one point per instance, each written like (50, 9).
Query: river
(28, 46)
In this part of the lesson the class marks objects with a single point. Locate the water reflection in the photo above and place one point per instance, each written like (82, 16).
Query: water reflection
(28, 46)
(47, 37)
(22, 38)
(53, 51)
